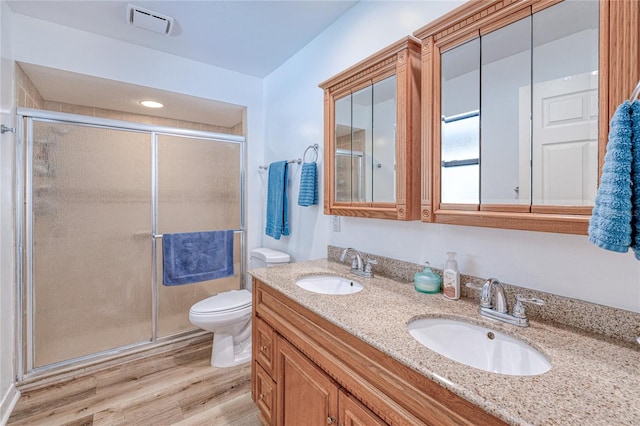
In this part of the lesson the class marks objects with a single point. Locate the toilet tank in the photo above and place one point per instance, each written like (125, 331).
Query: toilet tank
(265, 257)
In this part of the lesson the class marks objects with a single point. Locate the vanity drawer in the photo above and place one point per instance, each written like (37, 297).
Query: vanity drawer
(265, 346)
(265, 395)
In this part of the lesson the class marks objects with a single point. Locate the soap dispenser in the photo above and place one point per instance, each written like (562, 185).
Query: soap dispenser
(451, 288)
(427, 281)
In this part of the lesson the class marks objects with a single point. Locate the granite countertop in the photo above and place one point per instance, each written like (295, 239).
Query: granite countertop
(594, 380)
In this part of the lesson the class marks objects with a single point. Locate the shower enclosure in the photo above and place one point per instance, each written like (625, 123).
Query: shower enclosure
(97, 195)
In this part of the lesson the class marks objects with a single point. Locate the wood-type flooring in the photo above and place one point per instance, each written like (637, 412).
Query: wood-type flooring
(178, 388)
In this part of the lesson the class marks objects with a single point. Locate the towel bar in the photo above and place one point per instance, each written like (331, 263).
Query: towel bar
(236, 231)
(297, 161)
(314, 147)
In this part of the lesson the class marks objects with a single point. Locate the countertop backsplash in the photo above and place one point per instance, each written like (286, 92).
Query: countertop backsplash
(607, 321)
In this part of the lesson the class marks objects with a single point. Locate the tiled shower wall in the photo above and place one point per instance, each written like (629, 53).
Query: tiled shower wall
(26, 93)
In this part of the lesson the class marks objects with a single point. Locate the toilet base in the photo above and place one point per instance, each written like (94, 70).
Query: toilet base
(225, 354)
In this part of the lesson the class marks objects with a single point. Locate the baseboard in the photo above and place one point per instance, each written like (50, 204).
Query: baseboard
(9, 401)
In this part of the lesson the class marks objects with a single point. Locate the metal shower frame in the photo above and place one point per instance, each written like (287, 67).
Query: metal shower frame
(24, 225)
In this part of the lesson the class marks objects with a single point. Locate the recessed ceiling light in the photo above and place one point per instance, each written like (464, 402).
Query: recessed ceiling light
(151, 104)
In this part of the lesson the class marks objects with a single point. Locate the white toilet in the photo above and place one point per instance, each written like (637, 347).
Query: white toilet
(228, 315)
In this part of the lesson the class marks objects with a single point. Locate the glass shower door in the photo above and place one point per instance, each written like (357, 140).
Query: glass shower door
(88, 223)
(199, 189)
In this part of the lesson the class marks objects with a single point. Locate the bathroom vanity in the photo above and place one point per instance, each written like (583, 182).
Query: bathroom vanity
(348, 359)
(309, 371)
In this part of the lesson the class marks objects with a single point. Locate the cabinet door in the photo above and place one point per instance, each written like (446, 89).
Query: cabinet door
(265, 346)
(265, 395)
(353, 413)
(305, 394)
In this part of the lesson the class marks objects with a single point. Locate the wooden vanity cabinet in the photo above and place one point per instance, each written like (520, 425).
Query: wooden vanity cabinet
(324, 375)
(305, 394)
(353, 413)
(264, 391)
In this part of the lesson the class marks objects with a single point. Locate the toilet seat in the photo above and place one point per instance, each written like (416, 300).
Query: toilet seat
(226, 302)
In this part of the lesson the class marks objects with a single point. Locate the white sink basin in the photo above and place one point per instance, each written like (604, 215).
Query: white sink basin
(479, 347)
(329, 284)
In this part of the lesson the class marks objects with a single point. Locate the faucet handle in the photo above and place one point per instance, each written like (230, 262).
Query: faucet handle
(485, 296)
(518, 309)
(367, 267)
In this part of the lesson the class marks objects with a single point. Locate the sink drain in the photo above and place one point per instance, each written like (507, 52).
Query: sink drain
(491, 336)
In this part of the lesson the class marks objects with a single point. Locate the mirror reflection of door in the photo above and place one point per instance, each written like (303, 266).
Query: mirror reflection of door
(564, 144)
(564, 122)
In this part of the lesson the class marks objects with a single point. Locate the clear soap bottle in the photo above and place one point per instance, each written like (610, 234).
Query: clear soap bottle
(451, 275)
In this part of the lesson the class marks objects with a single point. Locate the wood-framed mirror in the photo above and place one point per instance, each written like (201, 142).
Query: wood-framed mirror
(372, 136)
(516, 101)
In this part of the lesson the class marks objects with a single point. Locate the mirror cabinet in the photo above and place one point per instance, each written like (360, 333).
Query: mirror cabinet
(372, 136)
(516, 97)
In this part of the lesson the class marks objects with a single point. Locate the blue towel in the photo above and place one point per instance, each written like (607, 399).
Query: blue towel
(635, 178)
(308, 195)
(610, 225)
(277, 203)
(197, 256)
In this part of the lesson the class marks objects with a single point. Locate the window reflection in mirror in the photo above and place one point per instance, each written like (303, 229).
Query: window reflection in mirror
(565, 104)
(460, 124)
(365, 169)
(505, 82)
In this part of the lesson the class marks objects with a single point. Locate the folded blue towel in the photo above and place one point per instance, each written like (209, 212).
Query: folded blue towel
(277, 202)
(196, 256)
(308, 195)
(610, 225)
(635, 178)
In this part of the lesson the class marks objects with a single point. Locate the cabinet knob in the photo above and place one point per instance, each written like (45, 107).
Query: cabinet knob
(330, 420)
(261, 396)
(263, 348)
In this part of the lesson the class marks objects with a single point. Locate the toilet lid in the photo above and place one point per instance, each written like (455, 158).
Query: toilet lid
(226, 301)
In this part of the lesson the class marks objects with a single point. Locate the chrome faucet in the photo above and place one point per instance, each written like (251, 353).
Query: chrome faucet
(358, 265)
(493, 303)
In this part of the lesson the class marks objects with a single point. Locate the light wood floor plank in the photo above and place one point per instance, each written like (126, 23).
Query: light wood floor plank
(240, 411)
(178, 388)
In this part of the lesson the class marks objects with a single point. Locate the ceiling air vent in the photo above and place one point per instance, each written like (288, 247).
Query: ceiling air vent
(149, 20)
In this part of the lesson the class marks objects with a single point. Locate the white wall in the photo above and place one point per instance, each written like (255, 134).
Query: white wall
(8, 393)
(43, 43)
(562, 264)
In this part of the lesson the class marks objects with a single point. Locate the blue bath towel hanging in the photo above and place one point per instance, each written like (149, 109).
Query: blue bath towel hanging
(196, 256)
(635, 178)
(308, 195)
(610, 226)
(277, 202)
